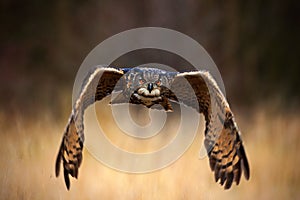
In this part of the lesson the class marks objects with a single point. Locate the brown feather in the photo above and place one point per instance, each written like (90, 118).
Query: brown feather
(95, 87)
(227, 157)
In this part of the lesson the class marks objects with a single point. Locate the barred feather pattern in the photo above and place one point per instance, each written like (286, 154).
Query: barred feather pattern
(103, 81)
(227, 157)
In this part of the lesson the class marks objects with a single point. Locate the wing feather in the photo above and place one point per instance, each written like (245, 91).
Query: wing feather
(227, 157)
(99, 83)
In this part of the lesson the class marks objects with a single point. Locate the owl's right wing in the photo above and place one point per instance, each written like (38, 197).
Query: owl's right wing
(223, 143)
(99, 83)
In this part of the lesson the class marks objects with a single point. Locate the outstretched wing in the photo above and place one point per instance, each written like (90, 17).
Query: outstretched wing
(99, 83)
(223, 143)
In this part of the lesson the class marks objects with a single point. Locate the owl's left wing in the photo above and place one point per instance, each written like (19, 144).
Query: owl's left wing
(223, 142)
(99, 83)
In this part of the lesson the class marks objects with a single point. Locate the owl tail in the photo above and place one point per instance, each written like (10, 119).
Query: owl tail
(70, 153)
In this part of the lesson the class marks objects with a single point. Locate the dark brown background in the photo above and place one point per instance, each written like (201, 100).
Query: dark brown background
(255, 44)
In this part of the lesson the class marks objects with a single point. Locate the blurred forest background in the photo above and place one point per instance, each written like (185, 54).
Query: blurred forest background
(255, 45)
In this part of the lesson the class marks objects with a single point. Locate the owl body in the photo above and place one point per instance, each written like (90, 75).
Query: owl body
(152, 86)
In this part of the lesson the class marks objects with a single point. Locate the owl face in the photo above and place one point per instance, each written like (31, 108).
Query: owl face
(148, 88)
(145, 85)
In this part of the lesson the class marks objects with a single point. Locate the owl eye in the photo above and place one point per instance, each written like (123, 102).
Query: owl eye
(141, 81)
(158, 82)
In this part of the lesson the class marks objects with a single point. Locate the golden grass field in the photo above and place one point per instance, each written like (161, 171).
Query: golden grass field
(29, 147)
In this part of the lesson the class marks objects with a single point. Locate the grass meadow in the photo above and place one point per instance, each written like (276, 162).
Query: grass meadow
(29, 147)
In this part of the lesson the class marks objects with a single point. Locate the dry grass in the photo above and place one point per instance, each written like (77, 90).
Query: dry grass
(29, 149)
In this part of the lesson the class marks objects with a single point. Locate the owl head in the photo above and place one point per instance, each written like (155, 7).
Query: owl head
(146, 82)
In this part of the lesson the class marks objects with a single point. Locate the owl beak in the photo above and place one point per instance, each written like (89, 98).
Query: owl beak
(150, 87)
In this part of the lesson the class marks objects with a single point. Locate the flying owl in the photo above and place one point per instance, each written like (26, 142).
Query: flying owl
(156, 88)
